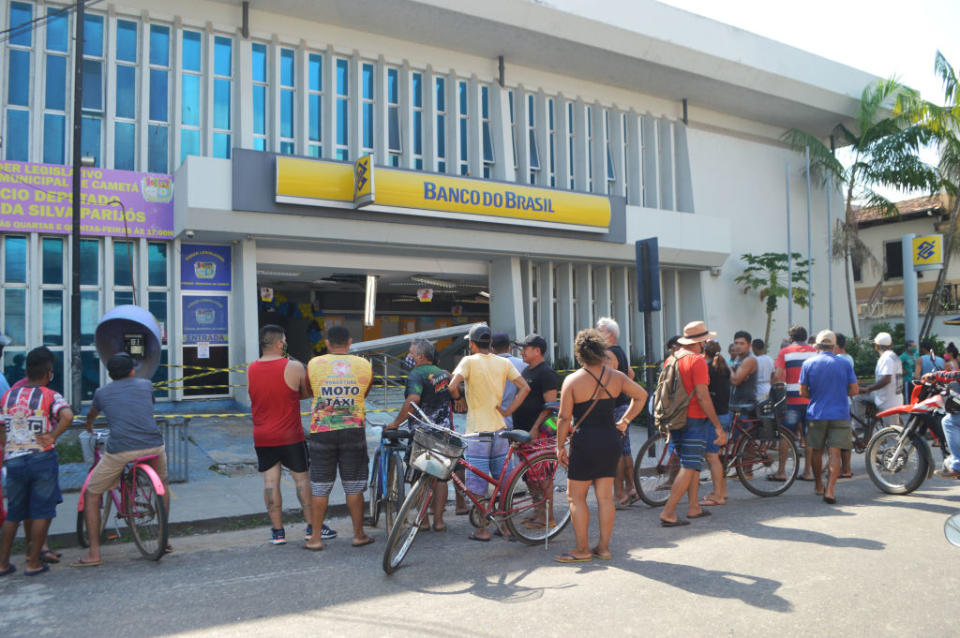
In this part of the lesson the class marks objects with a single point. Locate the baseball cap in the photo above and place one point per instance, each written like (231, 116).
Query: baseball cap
(883, 339)
(500, 339)
(533, 340)
(479, 334)
(826, 338)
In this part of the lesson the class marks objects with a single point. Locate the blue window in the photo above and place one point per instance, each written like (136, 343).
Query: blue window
(368, 125)
(417, 132)
(158, 95)
(221, 104)
(316, 72)
(92, 35)
(463, 139)
(315, 120)
(124, 146)
(92, 85)
(315, 151)
(57, 29)
(53, 318)
(159, 45)
(189, 143)
(392, 89)
(157, 273)
(441, 137)
(126, 91)
(191, 51)
(286, 67)
(259, 63)
(122, 273)
(462, 93)
(286, 113)
(127, 41)
(157, 149)
(259, 144)
(15, 262)
(416, 82)
(52, 260)
(53, 136)
(17, 139)
(286, 98)
(90, 138)
(343, 75)
(286, 148)
(190, 100)
(342, 122)
(21, 13)
(368, 81)
(222, 56)
(19, 79)
(221, 145)
(56, 82)
(259, 109)
(485, 102)
(89, 262)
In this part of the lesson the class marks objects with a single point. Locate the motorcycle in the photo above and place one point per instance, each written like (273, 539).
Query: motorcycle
(898, 458)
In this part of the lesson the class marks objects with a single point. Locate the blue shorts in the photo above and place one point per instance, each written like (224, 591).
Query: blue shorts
(796, 419)
(618, 413)
(33, 486)
(726, 420)
(689, 443)
(487, 454)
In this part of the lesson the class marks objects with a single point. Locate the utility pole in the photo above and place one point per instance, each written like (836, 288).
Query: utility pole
(76, 367)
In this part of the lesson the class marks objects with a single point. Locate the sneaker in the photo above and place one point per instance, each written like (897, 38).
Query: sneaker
(308, 535)
(948, 474)
(327, 534)
(278, 537)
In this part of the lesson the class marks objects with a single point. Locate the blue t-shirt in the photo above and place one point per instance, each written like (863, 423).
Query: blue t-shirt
(4, 386)
(510, 390)
(930, 364)
(827, 376)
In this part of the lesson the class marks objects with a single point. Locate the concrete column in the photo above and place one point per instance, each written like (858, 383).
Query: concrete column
(584, 284)
(911, 304)
(599, 149)
(670, 303)
(452, 125)
(380, 141)
(621, 305)
(665, 154)
(579, 159)
(244, 343)
(506, 304)
(406, 114)
(542, 133)
(617, 137)
(684, 178)
(503, 169)
(564, 328)
(355, 139)
(562, 146)
(602, 292)
(273, 95)
(328, 134)
(429, 121)
(632, 164)
(521, 116)
(301, 132)
(648, 131)
(474, 128)
(547, 330)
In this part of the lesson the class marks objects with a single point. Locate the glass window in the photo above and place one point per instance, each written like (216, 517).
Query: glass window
(89, 262)
(54, 127)
(52, 260)
(157, 149)
(221, 104)
(191, 51)
(259, 62)
(259, 109)
(17, 139)
(342, 78)
(90, 138)
(259, 144)
(190, 100)
(157, 258)
(222, 56)
(13, 367)
(126, 41)
(90, 380)
(122, 258)
(125, 145)
(53, 317)
(416, 82)
(15, 319)
(286, 67)
(162, 375)
(126, 91)
(221, 145)
(367, 81)
(123, 298)
(189, 143)
(342, 122)
(158, 95)
(56, 83)
(316, 72)
(89, 313)
(92, 36)
(286, 113)
(157, 305)
(15, 259)
(393, 92)
(315, 120)
(159, 45)
(92, 85)
(368, 125)
(21, 13)
(57, 384)
(18, 83)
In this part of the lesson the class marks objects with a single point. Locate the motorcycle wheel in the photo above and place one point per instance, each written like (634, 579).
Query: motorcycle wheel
(897, 473)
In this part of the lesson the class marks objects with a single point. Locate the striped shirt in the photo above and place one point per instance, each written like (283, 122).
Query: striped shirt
(790, 360)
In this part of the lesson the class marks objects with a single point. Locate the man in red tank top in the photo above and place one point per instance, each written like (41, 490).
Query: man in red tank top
(276, 384)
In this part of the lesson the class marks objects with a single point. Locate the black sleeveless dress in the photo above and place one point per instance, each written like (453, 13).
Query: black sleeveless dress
(596, 445)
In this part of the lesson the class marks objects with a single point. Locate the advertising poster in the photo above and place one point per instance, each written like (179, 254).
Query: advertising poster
(205, 319)
(205, 267)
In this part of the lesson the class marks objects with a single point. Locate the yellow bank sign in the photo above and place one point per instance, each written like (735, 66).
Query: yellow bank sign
(319, 183)
(928, 252)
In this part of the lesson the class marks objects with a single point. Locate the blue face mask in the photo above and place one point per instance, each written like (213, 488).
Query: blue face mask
(409, 362)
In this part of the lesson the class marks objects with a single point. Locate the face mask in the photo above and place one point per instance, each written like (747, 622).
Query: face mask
(409, 362)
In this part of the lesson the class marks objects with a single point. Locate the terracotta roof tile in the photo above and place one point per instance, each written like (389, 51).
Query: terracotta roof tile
(908, 208)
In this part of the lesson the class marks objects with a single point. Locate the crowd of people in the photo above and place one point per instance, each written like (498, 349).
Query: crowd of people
(498, 391)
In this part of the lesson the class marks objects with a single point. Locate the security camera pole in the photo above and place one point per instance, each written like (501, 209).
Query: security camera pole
(76, 366)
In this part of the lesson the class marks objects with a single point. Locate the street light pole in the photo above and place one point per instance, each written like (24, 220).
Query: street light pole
(76, 366)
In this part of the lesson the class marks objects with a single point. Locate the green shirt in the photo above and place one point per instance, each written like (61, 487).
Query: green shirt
(909, 362)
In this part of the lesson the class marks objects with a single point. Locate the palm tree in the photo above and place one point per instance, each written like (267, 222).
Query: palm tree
(884, 139)
(944, 124)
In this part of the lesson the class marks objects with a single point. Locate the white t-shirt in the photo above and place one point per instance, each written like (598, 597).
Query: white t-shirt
(764, 370)
(889, 395)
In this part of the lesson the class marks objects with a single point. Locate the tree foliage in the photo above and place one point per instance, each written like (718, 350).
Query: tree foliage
(766, 275)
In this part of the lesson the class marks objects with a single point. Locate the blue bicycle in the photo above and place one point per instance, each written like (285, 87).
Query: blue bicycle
(386, 490)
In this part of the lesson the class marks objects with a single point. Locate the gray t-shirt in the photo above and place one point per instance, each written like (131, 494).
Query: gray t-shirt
(128, 405)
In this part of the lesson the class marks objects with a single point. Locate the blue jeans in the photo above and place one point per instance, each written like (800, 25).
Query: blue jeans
(951, 429)
(796, 419)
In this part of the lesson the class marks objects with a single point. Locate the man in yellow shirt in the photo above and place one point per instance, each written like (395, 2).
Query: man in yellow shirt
(340, 383)
(486, 375)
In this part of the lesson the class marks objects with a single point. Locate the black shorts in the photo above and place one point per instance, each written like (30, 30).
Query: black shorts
(344, 449)
(293, 457)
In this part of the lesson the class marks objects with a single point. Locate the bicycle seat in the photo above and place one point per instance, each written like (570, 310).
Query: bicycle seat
(516, 436)
(396, 435)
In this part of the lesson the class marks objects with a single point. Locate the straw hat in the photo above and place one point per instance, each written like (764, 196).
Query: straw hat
(695, 332)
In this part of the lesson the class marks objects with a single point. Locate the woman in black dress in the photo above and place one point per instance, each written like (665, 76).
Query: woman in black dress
(588, 397)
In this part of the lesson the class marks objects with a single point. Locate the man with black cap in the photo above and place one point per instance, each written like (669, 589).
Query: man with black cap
(485, 375)
(543, 382)
(127, 402)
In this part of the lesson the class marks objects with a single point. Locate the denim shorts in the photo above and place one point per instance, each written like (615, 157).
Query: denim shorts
(689, 443)
(796, 419)
(33, 486)
(726, 420)
(486, 453)
(618, 413)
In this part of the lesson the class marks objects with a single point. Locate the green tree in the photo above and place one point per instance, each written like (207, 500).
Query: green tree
(766, 275)
(944, 124)
(884, 138)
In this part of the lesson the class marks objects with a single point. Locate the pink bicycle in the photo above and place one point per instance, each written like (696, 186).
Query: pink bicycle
(137, 500)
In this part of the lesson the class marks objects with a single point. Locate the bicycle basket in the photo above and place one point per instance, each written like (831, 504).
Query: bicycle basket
(436, 452)
(767, 430)
(89, 441)
(778, 400)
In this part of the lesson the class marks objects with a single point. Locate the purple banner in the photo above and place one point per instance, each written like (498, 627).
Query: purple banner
(205, 319)
(205, 267)
(37, 198)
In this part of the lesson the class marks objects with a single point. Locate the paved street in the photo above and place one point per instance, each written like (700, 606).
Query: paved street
(789, 565)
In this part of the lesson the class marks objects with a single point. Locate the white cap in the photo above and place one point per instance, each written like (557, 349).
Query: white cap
(883, 339)
(826, 338)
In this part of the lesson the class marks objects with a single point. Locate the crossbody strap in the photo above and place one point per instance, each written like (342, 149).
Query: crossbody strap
(596, 398)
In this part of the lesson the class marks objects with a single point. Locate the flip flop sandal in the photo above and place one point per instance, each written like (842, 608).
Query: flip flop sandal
(702, 514)
(804, 478)
(601, 556)
(474, 537)
(9, 570)
(83, 563)
(622, 505)
(50, 556)
(37, 572)
(311, 549)
(570, 558)
(440, 529)
(370, 539)
(677, 523)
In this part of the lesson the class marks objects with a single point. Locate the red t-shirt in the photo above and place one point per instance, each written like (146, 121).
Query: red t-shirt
(693, 372)
(790, 360)
(275, 407)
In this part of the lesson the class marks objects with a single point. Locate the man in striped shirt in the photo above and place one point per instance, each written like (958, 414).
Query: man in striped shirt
(787, 369)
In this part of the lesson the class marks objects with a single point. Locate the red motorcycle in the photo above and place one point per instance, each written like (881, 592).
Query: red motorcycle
(898, 458)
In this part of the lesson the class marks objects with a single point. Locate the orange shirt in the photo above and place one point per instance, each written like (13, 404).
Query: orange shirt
(693, 372)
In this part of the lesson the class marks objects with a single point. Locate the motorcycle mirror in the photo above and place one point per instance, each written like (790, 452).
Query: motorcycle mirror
(951, 529)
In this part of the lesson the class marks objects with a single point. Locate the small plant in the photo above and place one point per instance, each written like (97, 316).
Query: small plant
(766, 274)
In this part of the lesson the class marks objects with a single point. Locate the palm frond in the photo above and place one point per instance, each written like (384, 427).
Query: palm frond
(951, 83)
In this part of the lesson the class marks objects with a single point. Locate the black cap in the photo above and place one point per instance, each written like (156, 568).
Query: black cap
(535, 341)
(480, 334)
(120, 365)
(499, 340)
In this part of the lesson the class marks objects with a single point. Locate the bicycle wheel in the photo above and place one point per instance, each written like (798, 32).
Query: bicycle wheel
(654, 470)
(393, 492)
(532, 485)
(758, 461)
(373, 494)
(896, 472)
(408, 521)
(146, 515)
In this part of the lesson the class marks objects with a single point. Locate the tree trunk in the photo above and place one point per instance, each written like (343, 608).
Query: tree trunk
(766, 333)
(942, 275)
(851, 224)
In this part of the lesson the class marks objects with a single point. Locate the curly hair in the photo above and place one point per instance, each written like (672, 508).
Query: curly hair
(589, 347)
